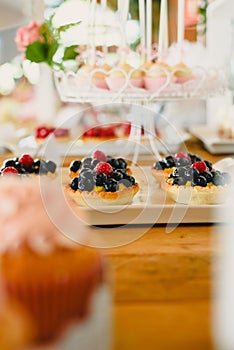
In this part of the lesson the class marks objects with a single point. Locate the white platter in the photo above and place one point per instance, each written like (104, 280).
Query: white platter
(211, 140)
(150, 206)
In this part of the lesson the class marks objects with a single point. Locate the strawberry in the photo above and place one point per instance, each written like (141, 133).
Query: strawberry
(9, 170)
(26, 160)
(42, 132)
(104, 168)
(181, 155)
(200, 166)
(99, 155)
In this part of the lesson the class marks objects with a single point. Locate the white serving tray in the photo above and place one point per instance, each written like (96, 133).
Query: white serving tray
(150, 206)
(211, 140)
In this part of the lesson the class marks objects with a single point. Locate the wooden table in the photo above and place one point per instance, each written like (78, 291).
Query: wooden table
(162, 285)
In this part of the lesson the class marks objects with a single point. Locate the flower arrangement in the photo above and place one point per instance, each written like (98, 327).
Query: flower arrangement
(42, 43)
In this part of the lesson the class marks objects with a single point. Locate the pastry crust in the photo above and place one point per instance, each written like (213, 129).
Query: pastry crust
(197, 195)
(102, 198)
(161, 175)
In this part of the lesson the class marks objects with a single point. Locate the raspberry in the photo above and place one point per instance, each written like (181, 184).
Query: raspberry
(9, 170)
(200, 166)
(99, 155)
(26, 160)
(103, 167)
(182, 155)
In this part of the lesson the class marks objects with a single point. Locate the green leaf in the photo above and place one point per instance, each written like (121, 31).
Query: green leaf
(52, 48)
(36, 52)
(70, 53)
(67, 26)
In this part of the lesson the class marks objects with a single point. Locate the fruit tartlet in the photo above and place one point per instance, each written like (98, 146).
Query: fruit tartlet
(101, 180)
(163, 168)
(27, 165)
(60, 134)
(197, 184)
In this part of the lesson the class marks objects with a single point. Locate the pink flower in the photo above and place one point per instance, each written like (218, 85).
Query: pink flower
(27, 35)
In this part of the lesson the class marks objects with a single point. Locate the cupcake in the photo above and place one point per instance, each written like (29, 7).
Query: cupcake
(27, 165)
(182, 73)
(195, 184)
(84, 77)
(124, 75)
(16, 329)
(101, 180)
(53, 278)
(156, 75)
(99, 77)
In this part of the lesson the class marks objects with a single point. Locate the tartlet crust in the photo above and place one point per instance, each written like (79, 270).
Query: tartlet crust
(102, 198)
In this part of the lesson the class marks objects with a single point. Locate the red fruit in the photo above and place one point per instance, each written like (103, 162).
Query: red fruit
(42, 132)
(9, 170)
(103, 167)
(99, 155)
(200, 166)
(181, 155)
(26, 159)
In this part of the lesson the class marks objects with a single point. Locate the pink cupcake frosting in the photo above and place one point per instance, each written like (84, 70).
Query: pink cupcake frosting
(24, 218)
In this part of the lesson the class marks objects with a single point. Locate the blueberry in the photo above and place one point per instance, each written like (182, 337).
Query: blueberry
(94, 163)
(208, 164)
(43, 168)
(9, 162)
(175, 173)
(51, 166)
(179, 180)
(36, 166)
(86, 185)
(20, 168)
(208, 175)
(75, 165)
(122, 163)
(111, 185)
(199, 181)
(114, 163)
(182, 162)
(186, 172)
(169, 161)
(227, 178)
(161, 165)
(74, 183)
(87, 162)
(194, 158)
(86, 174)
(128, 181)
(100, 178)
(123, 172)
(218, 179)
(117, 175)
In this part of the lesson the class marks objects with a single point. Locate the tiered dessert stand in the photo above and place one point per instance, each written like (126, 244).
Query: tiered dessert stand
(202, 82)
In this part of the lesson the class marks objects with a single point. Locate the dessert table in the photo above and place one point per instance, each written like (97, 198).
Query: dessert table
(162, 283)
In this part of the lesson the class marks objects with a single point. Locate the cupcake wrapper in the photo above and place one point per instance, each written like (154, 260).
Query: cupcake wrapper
(53, 303)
